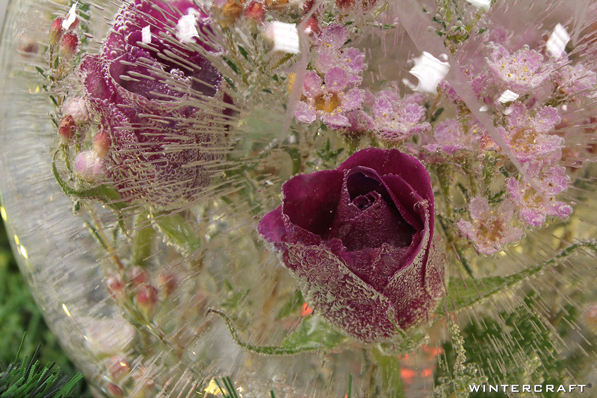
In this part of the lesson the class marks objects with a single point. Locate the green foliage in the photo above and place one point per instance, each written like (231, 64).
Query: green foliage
(515, 339)
(20, 315)
(29, 380)
(462, 294)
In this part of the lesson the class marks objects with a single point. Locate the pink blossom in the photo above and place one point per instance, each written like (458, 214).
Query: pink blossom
(521, 72)
(529, 137)
(328, 102)
(450, 138)
(395, 120)
(552, 180)
(331, 54)
(490, 229)
(576, 80)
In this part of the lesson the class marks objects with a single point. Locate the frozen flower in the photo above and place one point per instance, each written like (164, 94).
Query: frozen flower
(332, 54)
(328, 102)
(360, 241)
(160, 149)
(76, 108)
(576, 80)
(520, 72)
(533, 210)
(490, 229)
(394, 120)
(450, 138)
(529, 137)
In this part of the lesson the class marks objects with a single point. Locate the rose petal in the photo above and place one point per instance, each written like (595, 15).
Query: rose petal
(311, 200)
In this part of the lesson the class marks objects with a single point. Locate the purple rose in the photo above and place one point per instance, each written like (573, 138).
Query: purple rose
(159, 99)
(360, 241)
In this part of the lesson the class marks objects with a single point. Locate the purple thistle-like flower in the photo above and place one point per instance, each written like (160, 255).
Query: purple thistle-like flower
(162, 117)
(360, 241)
(552, 180)
(520, 72)
(329, 102)
(529, 137)
(490, 229)
(395, 120)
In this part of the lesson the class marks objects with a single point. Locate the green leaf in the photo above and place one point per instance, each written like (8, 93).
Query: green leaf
(179, 231)
(388, 374)
(243, 52)
(312, 334)
(292, 305)
(467, 292)
(232, 65)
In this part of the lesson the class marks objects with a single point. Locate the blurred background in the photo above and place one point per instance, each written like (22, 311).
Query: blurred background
(18, 312)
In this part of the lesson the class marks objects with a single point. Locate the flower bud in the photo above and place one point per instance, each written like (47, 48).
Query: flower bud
(275, 3)
(360, 239)
(255, 13)
(66, 129)
(69, 44)
(77, 108)
(114, 390)
(27, 46)
(231, 12)
(137, 276)
(118, 367)
(116, 287)
(88, 166)
(167, 283)
(56, 31)
(101, 144)
(312, 27)
(146, 300)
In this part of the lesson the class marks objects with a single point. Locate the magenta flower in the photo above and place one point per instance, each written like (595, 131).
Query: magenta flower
(490, 229)
(395, 120)
(552, 180)
(521, 72)
(141, 94)
(360, 241)
(529, 137)
(329, 102)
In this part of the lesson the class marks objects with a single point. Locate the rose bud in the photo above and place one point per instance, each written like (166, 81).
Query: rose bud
(77, 108)
(68, 45)
(56, 31)
(101, 144)
(66, 129)
(255, 13)
(167, 122)
(146, 299)
(360, 241)
(88, 166)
